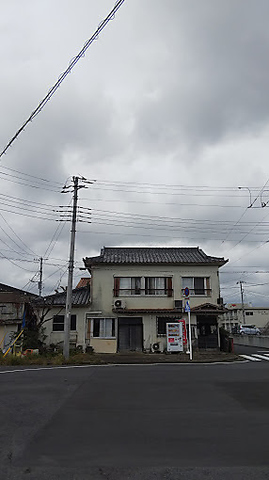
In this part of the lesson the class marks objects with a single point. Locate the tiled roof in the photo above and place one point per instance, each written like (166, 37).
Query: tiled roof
(8, 289)
(80, 297)
(84, 282)
(153, 255)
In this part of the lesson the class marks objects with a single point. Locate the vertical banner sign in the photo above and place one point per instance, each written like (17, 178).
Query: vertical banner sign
(174, 336)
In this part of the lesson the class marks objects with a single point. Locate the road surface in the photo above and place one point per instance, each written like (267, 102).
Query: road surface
(136, 422)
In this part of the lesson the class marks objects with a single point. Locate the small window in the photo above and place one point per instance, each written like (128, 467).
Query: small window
(161, 325)
(58, 323)
(249, 313)
(103, 327)
(197, 285)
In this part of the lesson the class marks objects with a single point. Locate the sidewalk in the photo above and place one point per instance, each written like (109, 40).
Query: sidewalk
(152, 358)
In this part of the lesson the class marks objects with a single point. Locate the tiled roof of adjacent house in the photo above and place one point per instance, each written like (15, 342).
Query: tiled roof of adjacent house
(84, 282)
(8, 289)
(153, 255)
(80, 297)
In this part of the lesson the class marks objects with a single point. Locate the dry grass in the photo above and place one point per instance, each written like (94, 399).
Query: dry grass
(102, 359)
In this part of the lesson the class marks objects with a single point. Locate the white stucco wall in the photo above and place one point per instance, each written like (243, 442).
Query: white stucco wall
(78, 336)
(103, 285)
(102, 288)
(150, 330)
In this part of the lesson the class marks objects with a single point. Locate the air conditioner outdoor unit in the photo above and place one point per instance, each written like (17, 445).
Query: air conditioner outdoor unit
(178, 305)
(119, 304)
(155, 347)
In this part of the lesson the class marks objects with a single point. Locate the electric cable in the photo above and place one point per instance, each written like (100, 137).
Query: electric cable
(17, 236)
(62, 77)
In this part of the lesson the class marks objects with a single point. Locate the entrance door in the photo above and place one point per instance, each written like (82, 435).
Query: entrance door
(130, 334)
(207, 327)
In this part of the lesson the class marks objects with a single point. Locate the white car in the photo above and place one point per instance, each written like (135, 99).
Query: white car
(249, 330)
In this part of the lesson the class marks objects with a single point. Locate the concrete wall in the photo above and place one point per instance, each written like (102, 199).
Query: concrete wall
(103, 345)
(6, 331)
(259, 341)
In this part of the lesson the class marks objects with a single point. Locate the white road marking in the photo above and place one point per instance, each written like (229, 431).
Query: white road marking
(38, 369)
(263, 357)
(110, 365)
(248, 357)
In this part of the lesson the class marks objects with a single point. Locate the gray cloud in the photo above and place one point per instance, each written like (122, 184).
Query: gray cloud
(173, 92)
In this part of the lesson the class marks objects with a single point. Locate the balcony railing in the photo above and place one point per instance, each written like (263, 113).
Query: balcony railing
(206, 292)
(118, 292)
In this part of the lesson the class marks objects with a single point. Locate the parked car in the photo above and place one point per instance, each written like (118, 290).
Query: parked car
(249, 330)
(235, 330)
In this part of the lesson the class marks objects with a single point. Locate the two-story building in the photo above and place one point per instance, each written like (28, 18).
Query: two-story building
(135, 292)
(237, 314)
(15, 308)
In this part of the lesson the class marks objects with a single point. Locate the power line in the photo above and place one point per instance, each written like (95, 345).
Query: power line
(62, 77)
(13, 263)
(37, 186)
(162, 203)
(41, 179)
(158, 192)
(124, 217)
(149, 235)
(173, 186)
(17, 236)
(55, 237)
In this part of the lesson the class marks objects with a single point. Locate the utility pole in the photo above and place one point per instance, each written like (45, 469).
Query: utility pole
(242, 301)
(68, 305)
(40, 283)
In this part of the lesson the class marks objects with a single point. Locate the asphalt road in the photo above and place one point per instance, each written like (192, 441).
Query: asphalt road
(136, 422)
(248, 350)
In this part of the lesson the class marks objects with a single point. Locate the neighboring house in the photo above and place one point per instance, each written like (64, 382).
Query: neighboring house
(15, 307)
(236, 316)
(135, 292)
(52, 310)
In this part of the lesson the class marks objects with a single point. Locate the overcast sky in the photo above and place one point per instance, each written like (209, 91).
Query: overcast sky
(168, 112)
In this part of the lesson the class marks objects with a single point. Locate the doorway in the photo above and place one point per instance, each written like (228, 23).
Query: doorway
(130, 335)
(207, 327)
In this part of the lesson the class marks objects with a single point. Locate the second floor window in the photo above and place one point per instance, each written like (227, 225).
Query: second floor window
(197, 285)
(158, 286)
(127, 286)
(142, 286)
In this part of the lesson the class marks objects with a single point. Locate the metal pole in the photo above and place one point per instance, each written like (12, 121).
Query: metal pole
(190, 341)
(242, 300)
(188, 309)
(68, 305)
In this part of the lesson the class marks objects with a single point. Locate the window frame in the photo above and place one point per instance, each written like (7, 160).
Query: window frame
(73, 323)
(141, 286)
(166, 291)
(133, 289)
(195, 290)
(98, 330)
